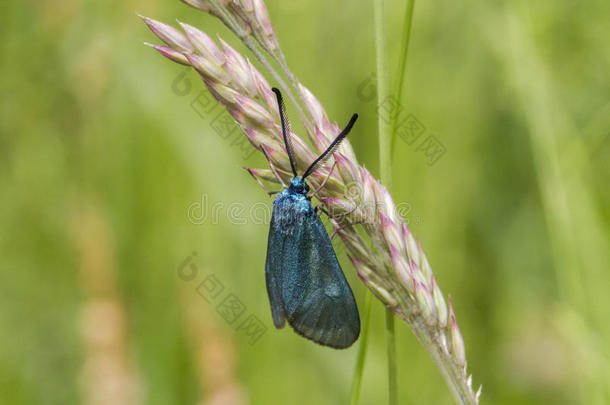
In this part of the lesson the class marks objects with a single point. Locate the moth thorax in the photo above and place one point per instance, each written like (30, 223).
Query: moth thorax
(298, 185)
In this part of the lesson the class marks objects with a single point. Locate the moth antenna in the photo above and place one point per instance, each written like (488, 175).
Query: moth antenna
(285, 129)
(331, 148)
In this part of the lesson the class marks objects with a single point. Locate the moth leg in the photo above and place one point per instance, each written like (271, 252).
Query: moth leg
(347, 213)
(260, 183)
(324, 182)
(338, 228)
(332, 235)
(320, 208)
(273, 168)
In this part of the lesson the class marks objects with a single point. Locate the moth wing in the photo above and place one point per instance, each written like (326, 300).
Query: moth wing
(317, 300)
(273, 268)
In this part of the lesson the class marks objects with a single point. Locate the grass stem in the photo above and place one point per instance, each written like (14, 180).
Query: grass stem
(364, 341)
(402, 66)
(385, 146)
(385, 169)
(391, 348)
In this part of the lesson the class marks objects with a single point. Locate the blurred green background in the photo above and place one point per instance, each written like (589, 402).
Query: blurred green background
(101, 157)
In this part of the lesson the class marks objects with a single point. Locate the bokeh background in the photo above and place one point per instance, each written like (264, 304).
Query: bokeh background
(102, 155)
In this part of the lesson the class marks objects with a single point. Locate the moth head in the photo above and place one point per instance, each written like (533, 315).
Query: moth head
(298, 185)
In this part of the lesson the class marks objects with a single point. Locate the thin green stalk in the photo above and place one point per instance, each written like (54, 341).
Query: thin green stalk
(385, 169)
(385, 145)
(364, 341)
(404, 51)
(391, 343)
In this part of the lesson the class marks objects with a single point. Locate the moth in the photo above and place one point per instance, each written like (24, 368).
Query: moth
(305, 283)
